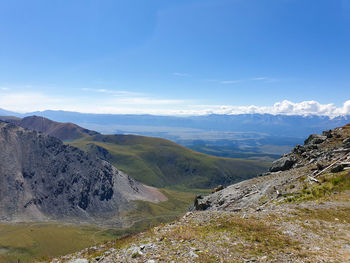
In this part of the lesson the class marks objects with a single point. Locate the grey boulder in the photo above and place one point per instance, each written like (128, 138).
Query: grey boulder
(282, 164)
(315, 139)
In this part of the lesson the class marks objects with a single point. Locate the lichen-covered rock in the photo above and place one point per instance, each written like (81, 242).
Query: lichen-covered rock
(282, 164)
(218, 188)
(337, 168)
(328, 134)
(79, 260)
(346, 142)
(298, 149)
(199, 204)
(315, 139)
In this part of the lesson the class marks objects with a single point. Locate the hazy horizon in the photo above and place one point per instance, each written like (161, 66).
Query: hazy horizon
(287, 108)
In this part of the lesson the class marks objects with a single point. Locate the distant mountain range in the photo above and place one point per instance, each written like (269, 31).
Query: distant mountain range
(252, 136)
(293, 126)
(9, 113)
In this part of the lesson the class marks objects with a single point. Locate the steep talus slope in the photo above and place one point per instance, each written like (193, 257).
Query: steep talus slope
(42, 179)
(299, 213)
(63, 131)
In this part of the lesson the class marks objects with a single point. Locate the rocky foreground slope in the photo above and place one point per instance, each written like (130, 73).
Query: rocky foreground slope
(299, 212)
(43, 179)
(320, 154)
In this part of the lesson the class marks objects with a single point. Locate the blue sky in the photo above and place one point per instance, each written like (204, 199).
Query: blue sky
(173, 57)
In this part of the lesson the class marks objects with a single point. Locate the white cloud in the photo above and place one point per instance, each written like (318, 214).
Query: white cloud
(304, 108)
(132, 98)
(147, 101)
(111, 102)
(265, 79)
(345, 110)
(4, 88)
(181, 74)
(114, 92)
(26, 102)
(286, 108)
(124, 103)
(261, 79)
(230, 81)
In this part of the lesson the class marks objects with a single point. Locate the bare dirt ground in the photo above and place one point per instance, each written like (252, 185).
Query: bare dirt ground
(313, 231)
(159, 196)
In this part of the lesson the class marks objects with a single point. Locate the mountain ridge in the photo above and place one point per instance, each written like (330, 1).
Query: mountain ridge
(43, 179)
(62, 131)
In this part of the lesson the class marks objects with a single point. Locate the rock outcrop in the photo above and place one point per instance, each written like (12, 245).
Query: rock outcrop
(329, 152)
(282, 164)
(315, 139)
(43, 179)
(314, 150)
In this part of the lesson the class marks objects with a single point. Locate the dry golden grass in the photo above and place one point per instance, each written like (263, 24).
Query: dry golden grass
(183, 233)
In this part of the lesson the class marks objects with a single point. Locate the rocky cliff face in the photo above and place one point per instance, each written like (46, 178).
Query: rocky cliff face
(43, 179)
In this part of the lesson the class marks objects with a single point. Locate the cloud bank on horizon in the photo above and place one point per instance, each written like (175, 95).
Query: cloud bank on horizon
(290, 108)
(122, 102)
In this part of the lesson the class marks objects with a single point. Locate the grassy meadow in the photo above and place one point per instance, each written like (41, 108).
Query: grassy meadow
(39, 241)
(162, 163)
(29, 241)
